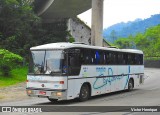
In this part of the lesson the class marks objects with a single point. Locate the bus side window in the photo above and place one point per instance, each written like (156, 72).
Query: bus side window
(107, 60)
(120, 59)
(86, 57)
(97, 57)
(74, 63)
(141, 59)
(125, 59)
(115, 58)
(90, 57)
(101, 60)
(104, 58)
(138, 59)
(112, 57)
(133, 59)
(82, 57)
(92, 54)
(129, 59)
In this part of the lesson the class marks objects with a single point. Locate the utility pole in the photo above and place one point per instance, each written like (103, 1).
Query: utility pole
(97, 23)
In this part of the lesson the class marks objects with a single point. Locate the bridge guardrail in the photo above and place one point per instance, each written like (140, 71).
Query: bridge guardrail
(152, 62)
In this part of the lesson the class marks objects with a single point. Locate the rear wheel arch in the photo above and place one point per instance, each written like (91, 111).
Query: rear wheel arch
(132, 81)
(130, 84)
(89, 85)
(85, 91)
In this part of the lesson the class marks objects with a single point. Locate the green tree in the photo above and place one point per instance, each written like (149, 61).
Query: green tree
(149, 42)
(16, 21)
(124, 43)
(9, 61)
(153, 36)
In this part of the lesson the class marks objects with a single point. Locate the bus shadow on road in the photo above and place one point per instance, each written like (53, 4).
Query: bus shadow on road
(76, 101)
(63, 102)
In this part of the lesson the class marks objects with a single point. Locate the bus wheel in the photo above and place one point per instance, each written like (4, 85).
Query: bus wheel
(84, 93)
(130, 85)
(52, 100)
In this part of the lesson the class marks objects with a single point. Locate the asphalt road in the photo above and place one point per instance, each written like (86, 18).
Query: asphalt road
(145, 95)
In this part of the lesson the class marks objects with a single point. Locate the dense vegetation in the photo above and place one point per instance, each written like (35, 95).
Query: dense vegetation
(21, 28)
(8, 61)
(149, 41)
(124, 30)
(11, 70)
(16, 21)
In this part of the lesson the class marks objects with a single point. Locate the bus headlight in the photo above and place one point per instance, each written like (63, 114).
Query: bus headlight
(29, 92)
(59, 94)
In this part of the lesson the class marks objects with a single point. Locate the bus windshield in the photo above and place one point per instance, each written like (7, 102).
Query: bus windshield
(46, 61)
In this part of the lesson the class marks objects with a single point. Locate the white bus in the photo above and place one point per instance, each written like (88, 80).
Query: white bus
(64, 71)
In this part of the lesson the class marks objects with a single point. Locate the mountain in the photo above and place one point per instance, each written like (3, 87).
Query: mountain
(123, 30)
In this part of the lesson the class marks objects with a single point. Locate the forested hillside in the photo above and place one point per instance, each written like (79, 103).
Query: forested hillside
(122, 29)
(148, 42)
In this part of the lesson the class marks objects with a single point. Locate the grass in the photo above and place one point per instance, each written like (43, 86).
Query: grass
(17, 76)
(152, 58)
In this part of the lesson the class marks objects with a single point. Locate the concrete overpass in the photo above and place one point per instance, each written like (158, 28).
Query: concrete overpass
(50, 10)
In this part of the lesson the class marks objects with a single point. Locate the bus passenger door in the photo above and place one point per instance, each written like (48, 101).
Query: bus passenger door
(74, 66)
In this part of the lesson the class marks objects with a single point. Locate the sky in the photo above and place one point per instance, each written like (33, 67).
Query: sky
(116, 11)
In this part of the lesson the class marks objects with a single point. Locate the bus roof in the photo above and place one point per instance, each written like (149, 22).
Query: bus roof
(66, 45)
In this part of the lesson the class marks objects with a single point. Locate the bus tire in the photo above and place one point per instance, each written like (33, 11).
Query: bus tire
(84, 93)
(52, 100)
(130, 85)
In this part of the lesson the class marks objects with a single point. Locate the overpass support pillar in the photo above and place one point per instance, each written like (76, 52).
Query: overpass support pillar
(97, 23)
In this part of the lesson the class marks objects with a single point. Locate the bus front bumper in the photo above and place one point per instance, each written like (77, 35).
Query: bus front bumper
(52, 94)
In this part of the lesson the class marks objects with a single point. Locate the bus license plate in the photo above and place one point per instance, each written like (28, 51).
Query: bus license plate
(42, 92)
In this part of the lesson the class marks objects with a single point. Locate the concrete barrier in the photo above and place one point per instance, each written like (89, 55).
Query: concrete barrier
(152, 63)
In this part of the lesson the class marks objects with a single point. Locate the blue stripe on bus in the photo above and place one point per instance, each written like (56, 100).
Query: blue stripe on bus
(129, 70)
